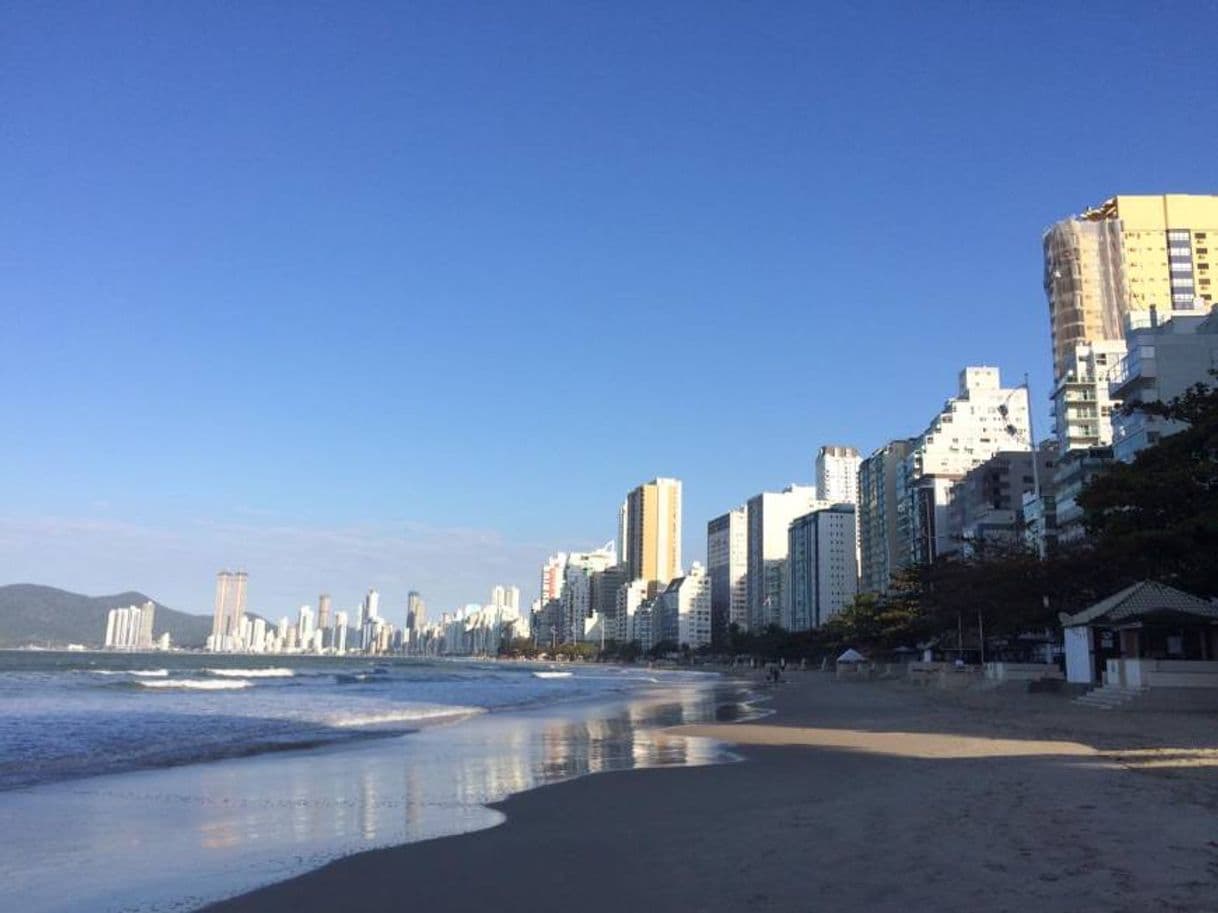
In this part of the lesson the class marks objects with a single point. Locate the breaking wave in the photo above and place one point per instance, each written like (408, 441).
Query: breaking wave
(199, 684)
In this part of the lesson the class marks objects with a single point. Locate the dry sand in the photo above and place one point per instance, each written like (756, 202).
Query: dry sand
(852, 796)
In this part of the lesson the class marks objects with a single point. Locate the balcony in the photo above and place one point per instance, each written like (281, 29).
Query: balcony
(1135, 370)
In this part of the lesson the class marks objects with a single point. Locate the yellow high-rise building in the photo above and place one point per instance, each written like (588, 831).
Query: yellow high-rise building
(1131, 253)
(652, 532)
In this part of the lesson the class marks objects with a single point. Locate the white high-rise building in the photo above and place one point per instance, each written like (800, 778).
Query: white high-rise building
(684, 609)
(837, 474)
(1082, 406)
(630, 598)
(576, 600)
(304, 627)
(981, 420)
(822, 568)
(769, 517)
(259, 636)
(368, 619)
(727, 559)
(547, 622)
(341, 622)
(506, 597)
(130, 628)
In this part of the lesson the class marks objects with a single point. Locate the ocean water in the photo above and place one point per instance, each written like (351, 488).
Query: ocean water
(160, 782)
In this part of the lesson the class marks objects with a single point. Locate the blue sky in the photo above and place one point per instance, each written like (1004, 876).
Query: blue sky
(408, 295)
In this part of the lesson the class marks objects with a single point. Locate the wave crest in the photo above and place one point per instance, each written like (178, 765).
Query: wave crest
(274, 672)
(198, 684)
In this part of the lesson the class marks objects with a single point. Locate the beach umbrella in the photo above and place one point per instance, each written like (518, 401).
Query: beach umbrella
(852, 656)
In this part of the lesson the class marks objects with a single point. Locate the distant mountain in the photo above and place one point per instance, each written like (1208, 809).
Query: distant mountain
(46, 616)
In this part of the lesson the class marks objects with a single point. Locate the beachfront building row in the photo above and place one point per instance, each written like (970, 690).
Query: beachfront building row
(786, 558)
(473, 629)
(632, 589)
(1130, 289)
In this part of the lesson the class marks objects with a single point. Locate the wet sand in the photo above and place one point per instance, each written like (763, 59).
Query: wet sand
(852, 796)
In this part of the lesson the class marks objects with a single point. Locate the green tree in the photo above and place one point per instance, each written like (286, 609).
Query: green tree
(1157, 517)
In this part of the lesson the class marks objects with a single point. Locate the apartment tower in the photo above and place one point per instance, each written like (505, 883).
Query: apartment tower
(727, 560)
(837, 474)
(229, 607)
(1130, 253)
(652, 532)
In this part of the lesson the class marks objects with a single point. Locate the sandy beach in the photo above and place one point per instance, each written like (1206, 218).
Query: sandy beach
(850, 796)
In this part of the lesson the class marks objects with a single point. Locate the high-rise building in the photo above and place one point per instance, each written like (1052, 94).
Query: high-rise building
(837, 474)
(368, 619)
(630, 599)
(147, 613)
(769, 517)
(416, 612)
(323, 611)
(727, 559)
(576, 600)
(882, 549)
(304, 626)
(1082, 406)
(229, 609)
(547, 622)
(506, 597)
(683, 610)
(1130, 253)
(821, 570)
(652, 532)
(341, 622)
(982, 419)
(986, 504)
(1164, 359)
(130, 628)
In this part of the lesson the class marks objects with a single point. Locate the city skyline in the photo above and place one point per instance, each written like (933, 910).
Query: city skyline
(385, 279)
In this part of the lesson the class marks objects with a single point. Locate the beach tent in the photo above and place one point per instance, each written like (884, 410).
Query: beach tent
(852, 656)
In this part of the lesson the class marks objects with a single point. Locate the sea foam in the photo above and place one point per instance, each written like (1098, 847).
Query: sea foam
(198, 684)
(277, 672)
(417, 714)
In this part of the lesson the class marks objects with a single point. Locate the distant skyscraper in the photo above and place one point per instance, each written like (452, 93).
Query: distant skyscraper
(652, 532)
(822, 576)
(368, 618)
(229, 607)
(416, 612)
(881, 547)
(506, 598)
(341, 622)
(304, 627)
(147, 613)
(837, 474)
(727, 559)
(323, 611)
(769, 517)
(130, 628)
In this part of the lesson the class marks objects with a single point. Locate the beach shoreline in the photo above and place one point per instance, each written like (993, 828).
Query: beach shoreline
(155, 838)
(874, 796)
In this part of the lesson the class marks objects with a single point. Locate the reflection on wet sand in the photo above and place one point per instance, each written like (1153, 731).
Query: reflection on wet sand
(171, 839)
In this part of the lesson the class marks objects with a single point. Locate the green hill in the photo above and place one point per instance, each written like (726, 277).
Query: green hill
(49, 617)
